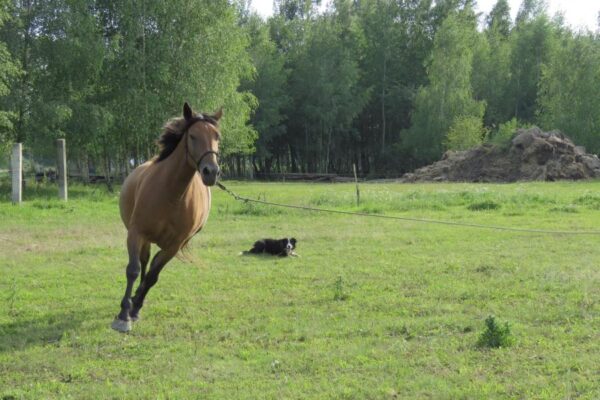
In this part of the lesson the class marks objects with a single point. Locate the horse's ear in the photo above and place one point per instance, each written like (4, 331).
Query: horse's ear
(187, 111)
(219, 114)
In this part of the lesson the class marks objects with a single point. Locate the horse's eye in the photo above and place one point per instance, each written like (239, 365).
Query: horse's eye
(192, 137)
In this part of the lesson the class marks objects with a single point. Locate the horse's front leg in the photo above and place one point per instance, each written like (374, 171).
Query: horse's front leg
(122, 322)
(144, 258)
(158, 262)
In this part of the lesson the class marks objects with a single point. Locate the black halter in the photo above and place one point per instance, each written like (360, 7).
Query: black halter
(188, 125)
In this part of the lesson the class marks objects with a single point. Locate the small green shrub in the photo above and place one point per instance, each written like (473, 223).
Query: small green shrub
(589, 200)
(338, 290)
(569, 208)
(495, 335)
(400, 331)
(484, 205)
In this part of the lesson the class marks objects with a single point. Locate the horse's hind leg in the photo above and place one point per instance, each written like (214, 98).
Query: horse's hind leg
(134, 245)
(144, 258)
(158, 262)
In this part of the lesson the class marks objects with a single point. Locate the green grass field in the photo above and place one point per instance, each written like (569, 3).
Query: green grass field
(373, 309)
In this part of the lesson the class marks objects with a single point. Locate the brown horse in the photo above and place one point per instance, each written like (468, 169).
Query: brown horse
(166, 201)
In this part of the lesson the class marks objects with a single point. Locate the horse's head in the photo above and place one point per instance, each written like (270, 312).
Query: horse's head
(202, 142)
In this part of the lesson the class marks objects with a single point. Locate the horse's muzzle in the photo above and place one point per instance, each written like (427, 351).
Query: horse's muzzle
(209, 174)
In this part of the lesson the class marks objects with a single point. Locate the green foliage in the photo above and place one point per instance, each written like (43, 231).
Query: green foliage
(107, 75)
(505, 132)
(590, 200)
(397, 45)
(531, 45)
(324, 79)
(269, 87)
(495, 335)
(485, 205)
(530, 10)
(339, 292)
(491, 74)
(9, 70)
(465, 132)
(498, 19)
(568, 90)
(449, 96)
(384, 85)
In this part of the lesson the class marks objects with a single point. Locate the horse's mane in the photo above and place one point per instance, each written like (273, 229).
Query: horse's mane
(170, 138)
(174, 130)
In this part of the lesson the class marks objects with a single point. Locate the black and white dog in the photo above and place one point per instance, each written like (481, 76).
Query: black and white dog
(282, 247)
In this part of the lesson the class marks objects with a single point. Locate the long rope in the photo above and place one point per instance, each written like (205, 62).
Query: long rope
(411, 219)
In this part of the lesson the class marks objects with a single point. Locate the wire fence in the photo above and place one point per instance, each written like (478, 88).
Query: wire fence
(408, 219)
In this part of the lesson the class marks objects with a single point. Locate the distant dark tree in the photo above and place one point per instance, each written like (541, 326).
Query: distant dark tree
(498, 19)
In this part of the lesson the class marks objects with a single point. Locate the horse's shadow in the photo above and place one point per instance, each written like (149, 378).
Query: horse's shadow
(43, 330)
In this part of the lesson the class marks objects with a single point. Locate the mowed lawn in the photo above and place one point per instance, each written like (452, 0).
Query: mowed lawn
(373, 309)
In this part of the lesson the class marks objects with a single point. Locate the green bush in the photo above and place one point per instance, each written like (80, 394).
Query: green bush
(484, 205)
(466, 132)
(495, 335)
(505, 132)
(339, 294)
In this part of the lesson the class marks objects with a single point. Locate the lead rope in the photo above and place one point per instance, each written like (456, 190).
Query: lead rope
(411, 219)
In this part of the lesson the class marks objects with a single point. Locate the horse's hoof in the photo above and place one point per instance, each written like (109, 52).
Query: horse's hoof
(121, 326)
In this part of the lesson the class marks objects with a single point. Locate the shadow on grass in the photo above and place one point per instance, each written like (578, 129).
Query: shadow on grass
(46, 329)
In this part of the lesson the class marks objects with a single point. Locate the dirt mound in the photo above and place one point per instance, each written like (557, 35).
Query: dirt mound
(532, 155)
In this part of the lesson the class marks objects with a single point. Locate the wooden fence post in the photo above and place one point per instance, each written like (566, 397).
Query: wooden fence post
(357, 189)
(17, 173)
(62, 169)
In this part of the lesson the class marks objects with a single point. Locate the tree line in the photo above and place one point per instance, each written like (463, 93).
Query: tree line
(387, 85)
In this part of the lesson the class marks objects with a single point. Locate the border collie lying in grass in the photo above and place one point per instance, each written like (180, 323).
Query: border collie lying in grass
(282, 247)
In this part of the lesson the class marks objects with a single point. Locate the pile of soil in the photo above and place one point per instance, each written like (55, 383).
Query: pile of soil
(532, 155)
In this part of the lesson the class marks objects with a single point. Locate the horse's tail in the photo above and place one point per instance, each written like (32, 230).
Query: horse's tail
(184, 253)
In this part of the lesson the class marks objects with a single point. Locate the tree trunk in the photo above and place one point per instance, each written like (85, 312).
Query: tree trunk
(306, 150)
(106, 162)
(293, 159)
(107, 171)
(328, 150)
(383, 83)
(84, 168)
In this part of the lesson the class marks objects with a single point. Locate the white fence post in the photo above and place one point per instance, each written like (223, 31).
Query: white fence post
(17, 173)
(62, 169)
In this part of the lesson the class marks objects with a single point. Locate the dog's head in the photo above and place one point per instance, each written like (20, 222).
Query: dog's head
(289, 244)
